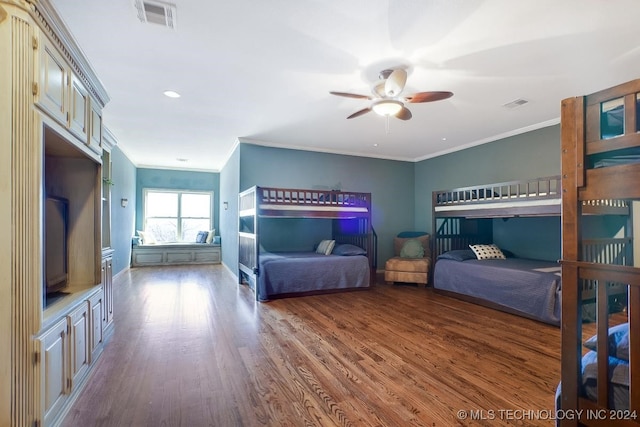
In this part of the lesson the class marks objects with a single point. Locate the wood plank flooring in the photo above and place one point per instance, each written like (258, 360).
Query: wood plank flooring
(193, 348)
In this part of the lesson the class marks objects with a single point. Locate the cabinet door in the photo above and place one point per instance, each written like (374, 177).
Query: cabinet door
(95, 141)
(107, 286)
(78, 110)
(109, 290)
(54, 369)
(79, 342)
(97, 325)
(54, 76)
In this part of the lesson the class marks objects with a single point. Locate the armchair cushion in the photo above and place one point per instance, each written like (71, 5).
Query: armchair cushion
(410, 270)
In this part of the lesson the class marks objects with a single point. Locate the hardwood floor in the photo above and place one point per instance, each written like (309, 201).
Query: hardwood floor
(193, 348)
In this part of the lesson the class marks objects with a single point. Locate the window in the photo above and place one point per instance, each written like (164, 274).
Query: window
(177, 216)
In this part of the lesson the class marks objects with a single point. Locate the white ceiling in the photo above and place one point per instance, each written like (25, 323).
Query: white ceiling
(261, 71)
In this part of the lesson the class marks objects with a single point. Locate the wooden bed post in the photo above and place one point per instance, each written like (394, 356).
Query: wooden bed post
(572, 135)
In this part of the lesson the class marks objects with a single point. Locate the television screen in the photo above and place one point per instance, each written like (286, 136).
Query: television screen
(56, 212)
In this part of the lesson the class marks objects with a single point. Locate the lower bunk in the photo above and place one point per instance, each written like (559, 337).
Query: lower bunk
(526, 287)
(530, 288)
(287, 274)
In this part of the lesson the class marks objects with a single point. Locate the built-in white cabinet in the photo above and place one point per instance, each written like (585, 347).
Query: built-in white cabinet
(68, 348)
(52, 140)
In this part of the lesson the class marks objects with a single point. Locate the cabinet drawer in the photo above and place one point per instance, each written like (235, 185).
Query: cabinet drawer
(178, 257)
(208, 256)
(148, 258)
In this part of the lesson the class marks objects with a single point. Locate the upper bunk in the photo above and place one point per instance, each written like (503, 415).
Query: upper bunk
(606, 138)
(533, 197)
(268, 202)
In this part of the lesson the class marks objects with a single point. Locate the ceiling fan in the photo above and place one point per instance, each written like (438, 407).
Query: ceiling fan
(386, 96)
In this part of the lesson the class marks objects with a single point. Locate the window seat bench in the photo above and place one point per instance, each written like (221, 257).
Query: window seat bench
(175, 254)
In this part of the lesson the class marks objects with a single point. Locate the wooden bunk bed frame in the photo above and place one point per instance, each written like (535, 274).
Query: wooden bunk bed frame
(465, 212)
(350, 213)
(463, 216)
(582, 142)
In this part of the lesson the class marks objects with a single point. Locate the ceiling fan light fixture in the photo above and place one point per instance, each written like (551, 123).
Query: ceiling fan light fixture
(387, 107)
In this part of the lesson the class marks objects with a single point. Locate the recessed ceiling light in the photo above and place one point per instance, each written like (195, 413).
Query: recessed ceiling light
(182, 160)
(171, 94)
(444, 139)
(375, 145)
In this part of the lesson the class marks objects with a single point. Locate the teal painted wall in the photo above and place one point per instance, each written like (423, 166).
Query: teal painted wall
(390, 182)
(530, 155)
(176, 180)
(123, 174)
(229, 189)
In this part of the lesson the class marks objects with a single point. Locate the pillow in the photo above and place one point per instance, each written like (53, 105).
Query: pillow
(487, 251)
(147, 237)
(618, 371)
(458, 255)
(618, 342)
(398, 243)
(325, 247)
(201, 237)
(412, 248)
(348, 250)
(210, 236)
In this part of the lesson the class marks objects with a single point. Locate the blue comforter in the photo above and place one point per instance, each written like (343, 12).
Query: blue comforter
(532, 287)
(289, 273)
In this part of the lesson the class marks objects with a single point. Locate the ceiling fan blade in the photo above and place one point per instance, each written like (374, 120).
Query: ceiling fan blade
(404, 114)
(428, 96)
(395, 82)
(350, 95)
(359, 113)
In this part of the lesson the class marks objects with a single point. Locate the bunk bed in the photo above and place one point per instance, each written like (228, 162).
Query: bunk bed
(600, 147)
(529, 288)
(350, 265)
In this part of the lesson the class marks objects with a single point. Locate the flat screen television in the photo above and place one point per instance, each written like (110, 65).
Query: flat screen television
(56, 225)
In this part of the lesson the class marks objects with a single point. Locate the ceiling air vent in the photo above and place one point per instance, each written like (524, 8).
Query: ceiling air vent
(515, 104)
(156, 12)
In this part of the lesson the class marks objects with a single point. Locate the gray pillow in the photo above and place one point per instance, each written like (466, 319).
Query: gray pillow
(346, 249)
(458, 255)
(618, 342)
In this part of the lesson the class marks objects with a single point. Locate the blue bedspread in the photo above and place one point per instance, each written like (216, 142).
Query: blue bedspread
(532, 287)
(300, 272)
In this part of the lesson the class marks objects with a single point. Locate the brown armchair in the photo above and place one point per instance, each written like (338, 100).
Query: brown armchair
(405, 269)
